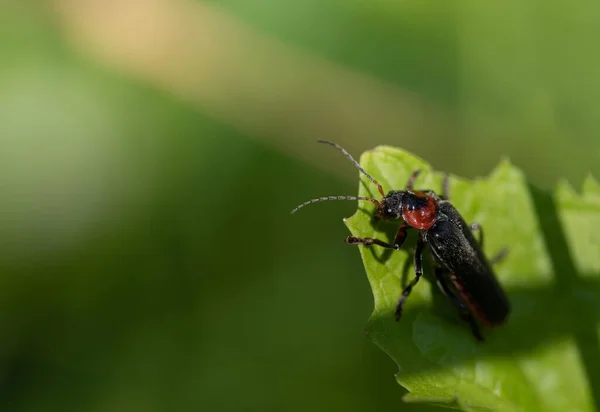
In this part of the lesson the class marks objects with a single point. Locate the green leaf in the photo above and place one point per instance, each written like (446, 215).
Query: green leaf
(546, 357)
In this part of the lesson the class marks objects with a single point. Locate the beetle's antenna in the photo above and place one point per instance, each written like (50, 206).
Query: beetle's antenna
(320, 199)
(412, 178)
(358, 166)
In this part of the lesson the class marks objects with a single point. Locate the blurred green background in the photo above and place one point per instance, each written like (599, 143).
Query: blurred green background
(148, 260)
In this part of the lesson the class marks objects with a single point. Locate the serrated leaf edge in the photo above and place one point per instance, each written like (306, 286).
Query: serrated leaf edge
(563, 190)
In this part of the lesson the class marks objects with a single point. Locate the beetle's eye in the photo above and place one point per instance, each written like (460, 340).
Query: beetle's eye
(389, 211)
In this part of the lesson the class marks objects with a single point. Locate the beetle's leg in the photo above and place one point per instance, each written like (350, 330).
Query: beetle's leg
(367, 241)
(401, 235)
(468, 317)
(412, 178)
(477, 227)
(418, 274)
(446, 187)
(499, 257)
(441, 275)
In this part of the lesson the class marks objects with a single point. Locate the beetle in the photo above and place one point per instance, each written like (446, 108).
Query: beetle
(462, 271)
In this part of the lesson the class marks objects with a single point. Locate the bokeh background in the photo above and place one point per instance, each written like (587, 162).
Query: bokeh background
(151, 152)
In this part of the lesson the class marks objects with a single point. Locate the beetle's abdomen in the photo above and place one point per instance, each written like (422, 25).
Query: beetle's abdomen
(454, 247)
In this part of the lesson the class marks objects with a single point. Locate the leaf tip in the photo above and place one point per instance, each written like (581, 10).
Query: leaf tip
(590, 185)
(505, 161)
(384, 148)
(505, 170)
(564, 189)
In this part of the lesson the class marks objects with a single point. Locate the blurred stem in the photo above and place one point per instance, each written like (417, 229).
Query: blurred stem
(257, 84)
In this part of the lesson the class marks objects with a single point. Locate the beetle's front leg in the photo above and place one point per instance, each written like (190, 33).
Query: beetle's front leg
(367, 241)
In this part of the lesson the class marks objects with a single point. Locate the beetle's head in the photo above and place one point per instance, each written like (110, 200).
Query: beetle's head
(392, 205)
